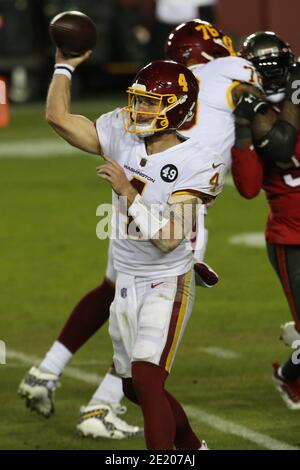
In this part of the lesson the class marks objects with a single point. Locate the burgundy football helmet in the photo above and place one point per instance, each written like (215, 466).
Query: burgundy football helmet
(173, 91)
(197, 42)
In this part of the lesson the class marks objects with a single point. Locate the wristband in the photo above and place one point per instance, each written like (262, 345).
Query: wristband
(64, 69)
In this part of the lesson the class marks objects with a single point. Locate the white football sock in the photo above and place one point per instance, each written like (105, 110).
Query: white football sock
(56, 359)
(110, 390)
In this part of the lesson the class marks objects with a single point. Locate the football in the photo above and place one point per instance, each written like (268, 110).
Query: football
(73, 33)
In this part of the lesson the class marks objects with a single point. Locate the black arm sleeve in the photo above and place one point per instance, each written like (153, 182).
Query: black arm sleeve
(279, 144)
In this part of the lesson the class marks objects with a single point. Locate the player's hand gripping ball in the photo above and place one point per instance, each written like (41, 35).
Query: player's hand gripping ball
(73, 33)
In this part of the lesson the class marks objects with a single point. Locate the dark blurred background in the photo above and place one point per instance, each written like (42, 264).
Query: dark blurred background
(130, 34)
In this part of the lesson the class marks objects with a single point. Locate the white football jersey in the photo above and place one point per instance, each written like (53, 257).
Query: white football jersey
(214, 122)
(186, 168)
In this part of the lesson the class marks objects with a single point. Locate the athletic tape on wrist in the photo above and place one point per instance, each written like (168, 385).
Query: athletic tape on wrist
(148, 218)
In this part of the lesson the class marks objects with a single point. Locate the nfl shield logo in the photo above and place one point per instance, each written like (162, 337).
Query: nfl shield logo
(123, 292)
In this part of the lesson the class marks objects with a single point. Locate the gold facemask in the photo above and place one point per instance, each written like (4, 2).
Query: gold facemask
(158, 120)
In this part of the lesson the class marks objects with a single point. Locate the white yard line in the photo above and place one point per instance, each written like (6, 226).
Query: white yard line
(228, 427)
(72, 372)
(91, 362)
(253, 239)
(39, 148)
(222, 425)
(220, 352)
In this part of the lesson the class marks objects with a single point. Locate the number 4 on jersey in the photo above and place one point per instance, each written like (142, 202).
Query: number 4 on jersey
(214, 181)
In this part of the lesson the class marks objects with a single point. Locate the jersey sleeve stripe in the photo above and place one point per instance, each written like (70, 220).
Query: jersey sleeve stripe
(229, 96)
(193, 192)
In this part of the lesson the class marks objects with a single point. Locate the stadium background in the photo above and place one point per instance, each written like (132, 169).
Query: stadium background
(50, 255)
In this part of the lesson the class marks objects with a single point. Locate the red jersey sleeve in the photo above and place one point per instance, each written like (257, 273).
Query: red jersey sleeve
(247, 171)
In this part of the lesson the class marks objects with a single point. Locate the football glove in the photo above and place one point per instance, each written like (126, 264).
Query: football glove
(249, 105)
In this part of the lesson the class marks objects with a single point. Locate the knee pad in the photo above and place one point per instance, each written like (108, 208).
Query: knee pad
(151, 333)
(144, 350)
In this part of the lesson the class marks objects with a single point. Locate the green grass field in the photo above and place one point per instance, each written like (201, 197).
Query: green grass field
(50, 257)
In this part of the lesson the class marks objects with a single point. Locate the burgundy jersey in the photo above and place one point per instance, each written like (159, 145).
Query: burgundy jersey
(281, 183)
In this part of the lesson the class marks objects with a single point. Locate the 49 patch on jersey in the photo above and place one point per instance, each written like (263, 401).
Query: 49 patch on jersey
(169, 173)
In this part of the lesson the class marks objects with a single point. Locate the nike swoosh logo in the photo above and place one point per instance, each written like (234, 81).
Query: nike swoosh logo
(216, 166)
(155, 285)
